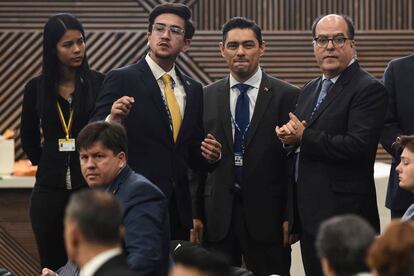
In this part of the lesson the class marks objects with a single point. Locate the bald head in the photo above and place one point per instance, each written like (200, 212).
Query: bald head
(335, 18)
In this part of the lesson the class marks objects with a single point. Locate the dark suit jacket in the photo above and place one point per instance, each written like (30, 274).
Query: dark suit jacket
(399, 82)
(338, 148)
(264, 183)
(53, 164)
(152, 151)
(114, 266)
(146, 223)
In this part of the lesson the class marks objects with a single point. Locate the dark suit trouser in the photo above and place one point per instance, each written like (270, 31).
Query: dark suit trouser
(260, 257)
(311, 262)
(47, 207)
(177, 230)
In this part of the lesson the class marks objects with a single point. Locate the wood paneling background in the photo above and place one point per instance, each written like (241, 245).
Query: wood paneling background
(298, 15)
(116, 36)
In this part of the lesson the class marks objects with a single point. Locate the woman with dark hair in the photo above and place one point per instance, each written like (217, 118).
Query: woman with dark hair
(56, 106)
(405, 169)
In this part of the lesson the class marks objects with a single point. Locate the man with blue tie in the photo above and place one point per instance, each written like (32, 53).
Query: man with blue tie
(242, 203)
(161, 109)
(333, 137)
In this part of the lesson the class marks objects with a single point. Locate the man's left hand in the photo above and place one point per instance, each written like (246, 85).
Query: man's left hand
(288, 239)
(291, 132)
(196, 233)
(211, 148)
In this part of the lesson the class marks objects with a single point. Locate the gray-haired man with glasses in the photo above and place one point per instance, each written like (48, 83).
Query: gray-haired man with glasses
(332, 138)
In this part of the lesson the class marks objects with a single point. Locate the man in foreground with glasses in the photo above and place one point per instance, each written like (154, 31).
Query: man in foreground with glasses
(332, 138)
(161, 109)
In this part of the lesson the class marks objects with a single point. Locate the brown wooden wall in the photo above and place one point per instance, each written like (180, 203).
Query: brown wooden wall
(297, 15)
(116, 33)
(116, 36)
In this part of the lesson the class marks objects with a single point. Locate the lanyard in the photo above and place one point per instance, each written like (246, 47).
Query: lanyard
(167, 109)
(243, 134)
(66, 127)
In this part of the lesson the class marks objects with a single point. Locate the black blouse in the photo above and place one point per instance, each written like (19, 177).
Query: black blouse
(52, 164)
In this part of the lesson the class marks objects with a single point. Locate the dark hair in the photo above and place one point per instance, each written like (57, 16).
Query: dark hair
(348, 20)
(242, 23)
(178, 9)
(201, 259)
(97, 214)
(402, 142)
(392, 254)
(112, 136)
(83, 98)
(344, 241)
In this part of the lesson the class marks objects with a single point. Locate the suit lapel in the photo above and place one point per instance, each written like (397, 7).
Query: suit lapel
(224, 107)
(264, 97)
(152, 87)
(337, 89)
(307, 100)
(121, 177)
(189, 105)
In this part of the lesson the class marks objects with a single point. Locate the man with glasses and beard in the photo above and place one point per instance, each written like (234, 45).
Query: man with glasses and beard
(161, 109)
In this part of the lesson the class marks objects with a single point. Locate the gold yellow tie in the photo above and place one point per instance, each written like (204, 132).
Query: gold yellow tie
(172, 105)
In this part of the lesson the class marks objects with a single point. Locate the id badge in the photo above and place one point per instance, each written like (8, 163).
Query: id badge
(238, 159)
(67, 144)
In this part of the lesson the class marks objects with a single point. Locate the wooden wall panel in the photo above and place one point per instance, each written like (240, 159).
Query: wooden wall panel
(18, 252)
(298, 15)
(116, 36)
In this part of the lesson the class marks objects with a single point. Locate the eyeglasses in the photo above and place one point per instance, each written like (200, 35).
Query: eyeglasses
(323, 41)
(161, 28)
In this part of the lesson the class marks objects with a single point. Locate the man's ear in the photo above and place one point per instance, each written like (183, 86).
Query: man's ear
(187, 43)
(262, 48)
(122, 159)
(73, 236)
(326, 267)
(121, 232)
(221, 47)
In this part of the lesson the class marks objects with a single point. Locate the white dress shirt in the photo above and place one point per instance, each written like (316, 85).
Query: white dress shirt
(254, 81)
(179, 91)
(96, 262)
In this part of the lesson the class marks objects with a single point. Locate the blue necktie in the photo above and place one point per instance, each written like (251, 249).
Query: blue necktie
(326, 86)
(242, 118)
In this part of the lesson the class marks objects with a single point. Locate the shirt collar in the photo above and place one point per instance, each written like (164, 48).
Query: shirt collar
(253, 81)
(334, 79)
(157, 71)
(96, 262)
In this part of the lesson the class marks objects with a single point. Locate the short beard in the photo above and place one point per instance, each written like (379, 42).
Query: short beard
(163, 57)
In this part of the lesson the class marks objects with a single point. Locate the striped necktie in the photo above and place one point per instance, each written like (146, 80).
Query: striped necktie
(326, 86)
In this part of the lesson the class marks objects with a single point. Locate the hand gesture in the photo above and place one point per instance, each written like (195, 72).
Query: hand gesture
(211, 148)
(196, 234)
(291, 132)
(120, 109)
